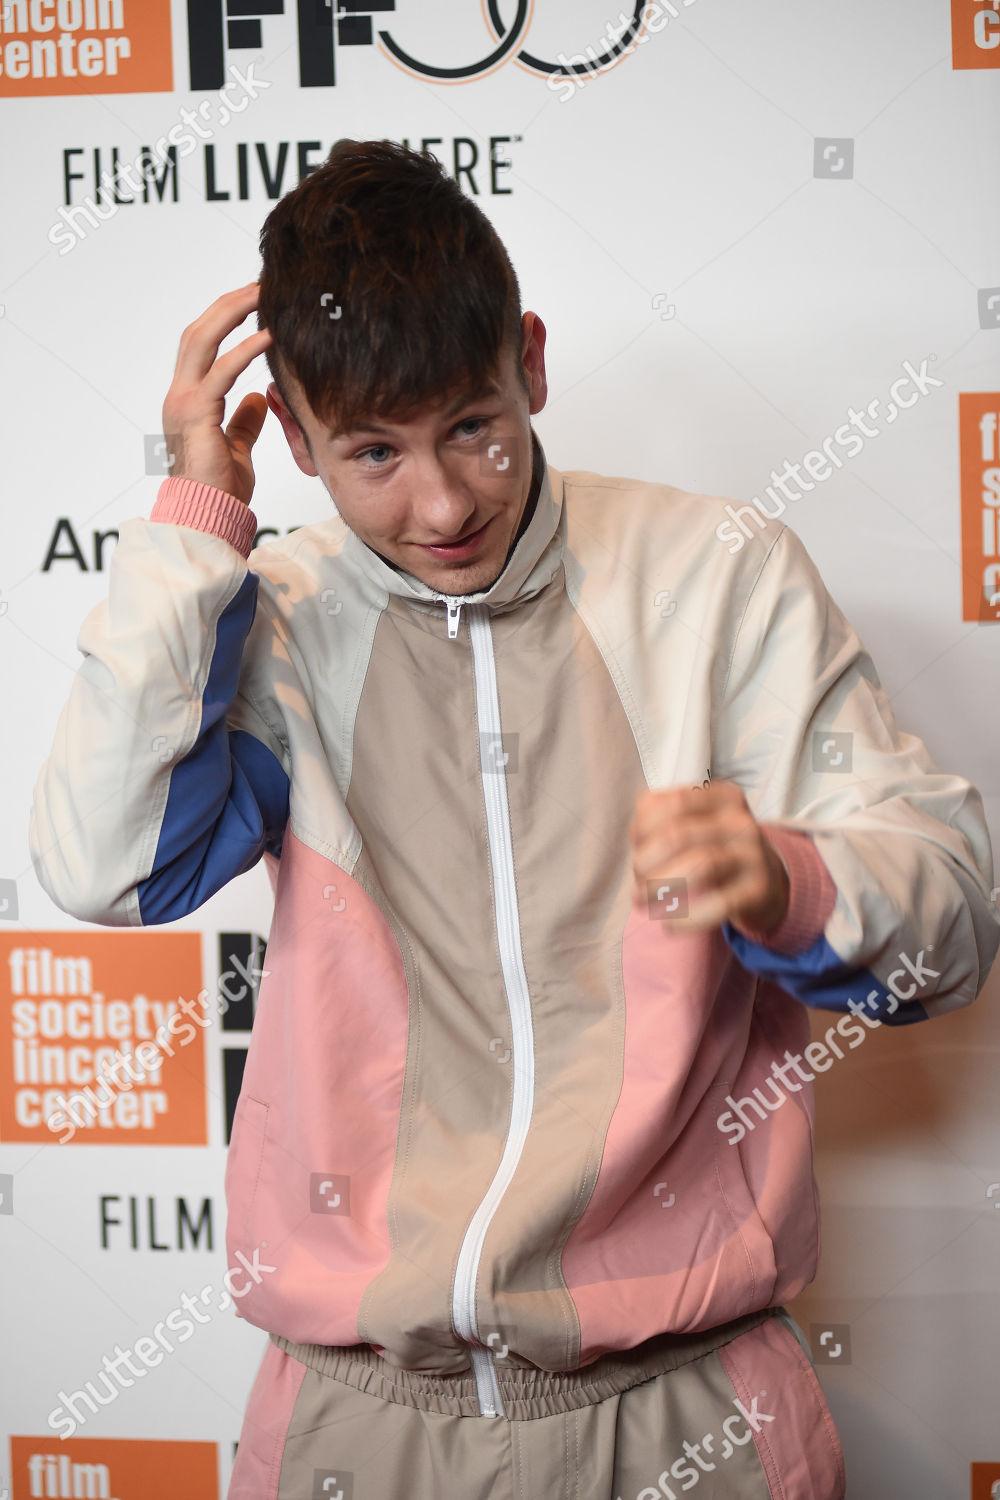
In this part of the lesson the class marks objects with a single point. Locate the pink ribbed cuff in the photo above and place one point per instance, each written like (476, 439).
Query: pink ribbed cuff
(812, 894)
(188, 502)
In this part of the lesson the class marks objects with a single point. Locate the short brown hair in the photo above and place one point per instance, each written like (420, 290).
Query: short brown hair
(428, 296)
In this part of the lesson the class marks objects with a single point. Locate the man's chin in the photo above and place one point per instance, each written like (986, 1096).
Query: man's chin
(458, 581)
(473, 577)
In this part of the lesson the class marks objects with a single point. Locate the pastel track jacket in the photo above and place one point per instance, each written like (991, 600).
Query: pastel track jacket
(492, 1107)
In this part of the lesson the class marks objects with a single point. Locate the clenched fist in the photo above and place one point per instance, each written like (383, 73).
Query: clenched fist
(709, 838)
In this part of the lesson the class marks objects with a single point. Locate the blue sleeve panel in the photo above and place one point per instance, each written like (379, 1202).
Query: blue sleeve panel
(819, 978)
(228, 797)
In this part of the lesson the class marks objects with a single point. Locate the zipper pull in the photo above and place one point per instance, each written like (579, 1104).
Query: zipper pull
(454, 614)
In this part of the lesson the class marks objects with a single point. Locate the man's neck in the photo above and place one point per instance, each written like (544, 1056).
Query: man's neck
(537, 467)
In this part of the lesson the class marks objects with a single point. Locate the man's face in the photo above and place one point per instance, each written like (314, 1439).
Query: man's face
(460, 465)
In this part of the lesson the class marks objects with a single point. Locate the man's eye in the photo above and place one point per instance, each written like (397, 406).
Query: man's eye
(373, 453)
(476, 422)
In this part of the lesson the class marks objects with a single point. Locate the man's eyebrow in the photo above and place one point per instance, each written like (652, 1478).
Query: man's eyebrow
(467, 397)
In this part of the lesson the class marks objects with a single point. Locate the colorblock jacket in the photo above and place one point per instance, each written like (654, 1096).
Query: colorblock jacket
(491, 1106)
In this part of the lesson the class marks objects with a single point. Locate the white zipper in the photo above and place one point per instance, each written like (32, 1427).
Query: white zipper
(518, 1002)
(454, 611)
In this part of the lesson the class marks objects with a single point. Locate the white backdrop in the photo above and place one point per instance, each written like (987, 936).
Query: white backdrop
(734, 236)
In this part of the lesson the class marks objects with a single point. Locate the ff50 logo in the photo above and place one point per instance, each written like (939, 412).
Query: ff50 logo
(326, 26)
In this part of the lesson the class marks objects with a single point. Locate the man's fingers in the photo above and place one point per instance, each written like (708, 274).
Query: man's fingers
(727, 825)
(244, 426)
(679, 847)
(706, 844)
(708, 872)
(707, 904)
(704, 913)
(678, 803)
(200, 340)
(189, 403)
(223, 374)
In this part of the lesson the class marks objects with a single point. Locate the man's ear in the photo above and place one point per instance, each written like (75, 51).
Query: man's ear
(294, 435)
(533, 360)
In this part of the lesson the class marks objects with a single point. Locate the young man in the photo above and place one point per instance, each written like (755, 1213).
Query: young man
(571, 813)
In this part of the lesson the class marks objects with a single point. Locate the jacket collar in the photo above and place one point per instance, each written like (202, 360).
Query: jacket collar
(532, 564)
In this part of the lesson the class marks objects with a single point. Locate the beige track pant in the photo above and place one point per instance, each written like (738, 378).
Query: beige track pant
(741, 1418)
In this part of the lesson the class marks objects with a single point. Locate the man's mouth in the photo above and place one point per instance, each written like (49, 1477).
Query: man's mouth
(461, 548)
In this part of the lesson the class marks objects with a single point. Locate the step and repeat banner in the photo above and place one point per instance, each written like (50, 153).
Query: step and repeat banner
(764, 239)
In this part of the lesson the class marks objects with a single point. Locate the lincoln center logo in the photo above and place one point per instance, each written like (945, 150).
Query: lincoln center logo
(979, 435)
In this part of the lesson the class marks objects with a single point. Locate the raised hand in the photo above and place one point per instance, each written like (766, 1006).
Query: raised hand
(195, 404)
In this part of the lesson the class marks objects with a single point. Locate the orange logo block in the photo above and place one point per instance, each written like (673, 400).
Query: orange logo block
(96, 1045)
(85, 47)
(979, 439)
(975, 34)
(112, 1469)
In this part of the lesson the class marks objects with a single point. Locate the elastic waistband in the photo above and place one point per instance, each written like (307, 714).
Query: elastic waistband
(526, 1392)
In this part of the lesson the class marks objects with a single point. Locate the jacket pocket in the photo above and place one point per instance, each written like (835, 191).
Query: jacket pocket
(243, 1168)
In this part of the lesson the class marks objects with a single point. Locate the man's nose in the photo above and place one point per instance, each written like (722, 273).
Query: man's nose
(440, 500)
